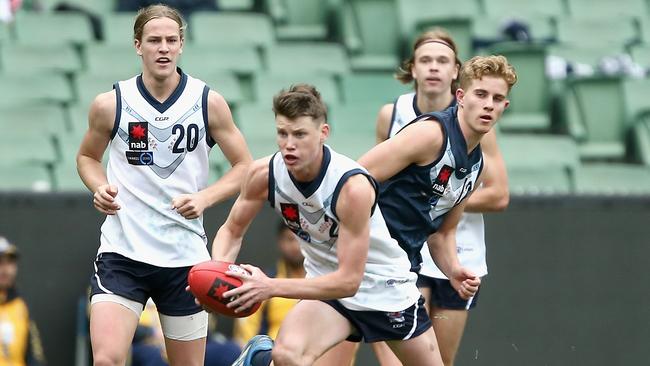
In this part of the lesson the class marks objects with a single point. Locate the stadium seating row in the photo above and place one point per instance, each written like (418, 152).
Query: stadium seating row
(599, 118)
(550, 166)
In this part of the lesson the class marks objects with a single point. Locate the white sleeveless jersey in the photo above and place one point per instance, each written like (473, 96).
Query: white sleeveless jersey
(157, 152)
(404, 111)
(470, 233)
(310, 212)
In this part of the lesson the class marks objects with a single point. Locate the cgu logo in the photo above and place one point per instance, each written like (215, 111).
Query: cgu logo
(162, 118)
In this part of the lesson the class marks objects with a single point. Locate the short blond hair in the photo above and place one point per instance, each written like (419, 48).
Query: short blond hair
(479, 66)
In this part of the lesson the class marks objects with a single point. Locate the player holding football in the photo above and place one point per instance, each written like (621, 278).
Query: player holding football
(359, 284)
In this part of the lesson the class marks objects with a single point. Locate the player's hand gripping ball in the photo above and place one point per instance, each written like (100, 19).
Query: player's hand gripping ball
(208, 281)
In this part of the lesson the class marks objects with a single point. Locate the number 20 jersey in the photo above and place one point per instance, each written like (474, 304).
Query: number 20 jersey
(310, 212)
(158, 150)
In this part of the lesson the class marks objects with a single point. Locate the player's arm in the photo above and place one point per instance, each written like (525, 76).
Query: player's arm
(254, 192)
(418, 143)
(383, 123)
(101, 119)
(232, 144)
(354, 209)
(442, 247)
(493, 195)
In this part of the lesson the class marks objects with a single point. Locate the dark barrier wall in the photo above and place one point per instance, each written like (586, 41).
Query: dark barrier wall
(568, 282)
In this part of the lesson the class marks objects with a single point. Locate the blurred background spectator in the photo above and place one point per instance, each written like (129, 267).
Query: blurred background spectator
(20, 343)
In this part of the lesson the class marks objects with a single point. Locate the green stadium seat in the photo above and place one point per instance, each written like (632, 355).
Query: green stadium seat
(641, 138)
(29, 60)
(53, 28)
(490, 28)
(606, 32)
(5, 35)
(24, 177)
(371, 34)
(112, 59)
(596, 117)
(602, 9)
(257, 123)
(612, 179)
(354, 120)
(26, 147)
(235, 5)
(42, 118)
(529, 98)
(515, 9)
(300, 19)
(302, 58)
(19, 90)
(377, 88)
(67, 146)
(226, 84)
(641, 54)
(241, 59)
(78, 117)
(96, 6)
(88, 85)
(416, 16)
(66, 178)
(644, 28)
(537, 151)
(352, 146)
(217, 29)
(636, 98)
(587, 56)
(539, 181)
(267, 85)
(118, 28)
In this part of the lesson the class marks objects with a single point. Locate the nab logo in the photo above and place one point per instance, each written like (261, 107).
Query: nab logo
(440, 184)
(157, 119)
(138, 136)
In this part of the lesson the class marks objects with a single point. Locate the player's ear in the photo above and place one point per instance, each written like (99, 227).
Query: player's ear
(137, 45)
(324, 132)
(460, 95)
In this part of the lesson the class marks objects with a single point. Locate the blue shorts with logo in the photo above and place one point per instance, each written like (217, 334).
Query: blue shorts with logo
(137, 281)
(376, 326)
(443, 294)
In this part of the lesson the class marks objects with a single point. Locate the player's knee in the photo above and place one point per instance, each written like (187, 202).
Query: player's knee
(286, 355)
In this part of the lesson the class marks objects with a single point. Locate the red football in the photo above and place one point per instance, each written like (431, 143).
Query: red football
(208, 281)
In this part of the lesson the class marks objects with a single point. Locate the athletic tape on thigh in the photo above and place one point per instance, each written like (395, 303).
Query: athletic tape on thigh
(185, 328)
(134, 306)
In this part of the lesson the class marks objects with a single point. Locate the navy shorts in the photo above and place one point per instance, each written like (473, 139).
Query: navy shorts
(376, 326)
(443, 294)
(137, 281)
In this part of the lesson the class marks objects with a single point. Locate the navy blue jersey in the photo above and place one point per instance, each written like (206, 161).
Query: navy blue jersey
(415, 201)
